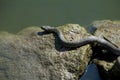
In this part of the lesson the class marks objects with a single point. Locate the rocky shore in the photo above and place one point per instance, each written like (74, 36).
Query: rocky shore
(33, 54)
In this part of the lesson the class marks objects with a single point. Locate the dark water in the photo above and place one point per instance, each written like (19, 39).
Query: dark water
(91, 73)
(18, 14)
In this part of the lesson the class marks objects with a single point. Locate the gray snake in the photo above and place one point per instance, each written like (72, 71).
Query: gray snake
(84, 41)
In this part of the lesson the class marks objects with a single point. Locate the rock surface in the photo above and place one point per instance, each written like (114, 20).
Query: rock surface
(110, 30)
(32, 54)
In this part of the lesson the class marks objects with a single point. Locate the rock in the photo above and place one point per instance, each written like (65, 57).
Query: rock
(110, 30)
(115, 71)
(32, 54)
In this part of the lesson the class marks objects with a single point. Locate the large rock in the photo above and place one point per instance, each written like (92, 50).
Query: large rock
(32, 54)
(110, 30)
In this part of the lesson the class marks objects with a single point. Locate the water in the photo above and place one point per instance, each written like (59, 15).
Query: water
(18, 14)
(91, 73)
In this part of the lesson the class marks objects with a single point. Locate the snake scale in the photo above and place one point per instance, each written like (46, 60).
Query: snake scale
(84, 41)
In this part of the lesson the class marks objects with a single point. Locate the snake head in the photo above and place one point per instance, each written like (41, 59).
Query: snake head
(47, 28)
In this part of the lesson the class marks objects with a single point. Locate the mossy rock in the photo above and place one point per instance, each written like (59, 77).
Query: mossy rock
(32, 54)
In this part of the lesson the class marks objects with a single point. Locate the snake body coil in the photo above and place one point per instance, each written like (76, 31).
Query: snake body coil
(84, 41)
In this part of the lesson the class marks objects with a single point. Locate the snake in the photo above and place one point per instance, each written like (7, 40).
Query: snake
(89, 40)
